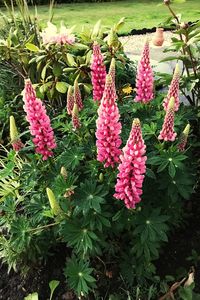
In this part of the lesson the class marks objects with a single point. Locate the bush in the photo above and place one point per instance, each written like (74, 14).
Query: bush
(68, 198)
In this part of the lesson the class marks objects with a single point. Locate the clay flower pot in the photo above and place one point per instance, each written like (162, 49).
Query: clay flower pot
(158, 38)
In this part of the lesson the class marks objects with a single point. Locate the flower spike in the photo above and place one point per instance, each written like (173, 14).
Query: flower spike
(167, 133)
(98, 72)
(14, 135)
(70, 100)
(184, 138)
(173, 90)
(108, 127)
(40, 126)
(144, 78)
(77, 95)
(132, 168)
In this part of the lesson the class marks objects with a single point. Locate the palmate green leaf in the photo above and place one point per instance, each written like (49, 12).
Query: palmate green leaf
(79, 237)
(150, 230)
(71, 158)
(78, 274)
(89, 196)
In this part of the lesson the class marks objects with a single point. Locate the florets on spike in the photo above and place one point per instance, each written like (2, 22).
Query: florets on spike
(98, 72)
(77, 96)
(132, 168)
(108, 127)
(167, 133)
(173, 90)
(70, 100)
(183, 138)
(144, 78)
(75, 118)
(40, 126)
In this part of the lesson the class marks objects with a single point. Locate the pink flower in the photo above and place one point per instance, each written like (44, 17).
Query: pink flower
(132, 168)
(40, 126)
(75, 118)
(51, 35)
(184, 138)
(14, 135)
(108, 127)
(98, 72)
(167, 133)
(70, 100)
(144, 79)
(173, 90)
(77, 95)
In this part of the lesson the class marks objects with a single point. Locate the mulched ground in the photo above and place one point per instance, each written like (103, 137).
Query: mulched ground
(15, 287)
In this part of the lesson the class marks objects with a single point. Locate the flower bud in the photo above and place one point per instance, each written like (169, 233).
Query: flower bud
(63, 172)
(14, 135)
(53, 202)
(101, 177)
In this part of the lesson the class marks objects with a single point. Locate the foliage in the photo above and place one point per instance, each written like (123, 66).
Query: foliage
(187, 44)
(105, 239)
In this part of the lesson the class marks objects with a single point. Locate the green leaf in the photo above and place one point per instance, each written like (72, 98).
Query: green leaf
(57, 70)
(33, 296)
(171, 169)
(96, 29)
(70, 60)
(32, 47)
(79, 276)
(150, 173)
(185, 293)
(53, 285)
(61, 87)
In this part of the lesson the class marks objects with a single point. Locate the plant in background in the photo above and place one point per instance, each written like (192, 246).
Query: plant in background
(186, 43)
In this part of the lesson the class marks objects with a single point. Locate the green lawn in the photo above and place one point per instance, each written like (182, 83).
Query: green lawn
(138, 13)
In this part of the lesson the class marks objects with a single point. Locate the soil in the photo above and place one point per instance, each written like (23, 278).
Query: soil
(15, 287)
(173, 259)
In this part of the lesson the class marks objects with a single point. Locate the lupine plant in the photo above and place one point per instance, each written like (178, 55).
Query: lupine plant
(63, 186)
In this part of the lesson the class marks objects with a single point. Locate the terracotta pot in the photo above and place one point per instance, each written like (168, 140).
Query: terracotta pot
(158, 38)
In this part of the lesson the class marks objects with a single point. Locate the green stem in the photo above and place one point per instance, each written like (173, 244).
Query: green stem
(43, 227)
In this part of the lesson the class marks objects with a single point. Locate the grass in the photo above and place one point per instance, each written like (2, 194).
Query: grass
(138, 13)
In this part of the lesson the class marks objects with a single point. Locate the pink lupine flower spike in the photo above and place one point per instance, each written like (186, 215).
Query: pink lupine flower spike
(40, 126)
(144, 78)
(167, 133)
(98, 72)
(173, 90)
(132, 168)
(108, 127)
(183, 138)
